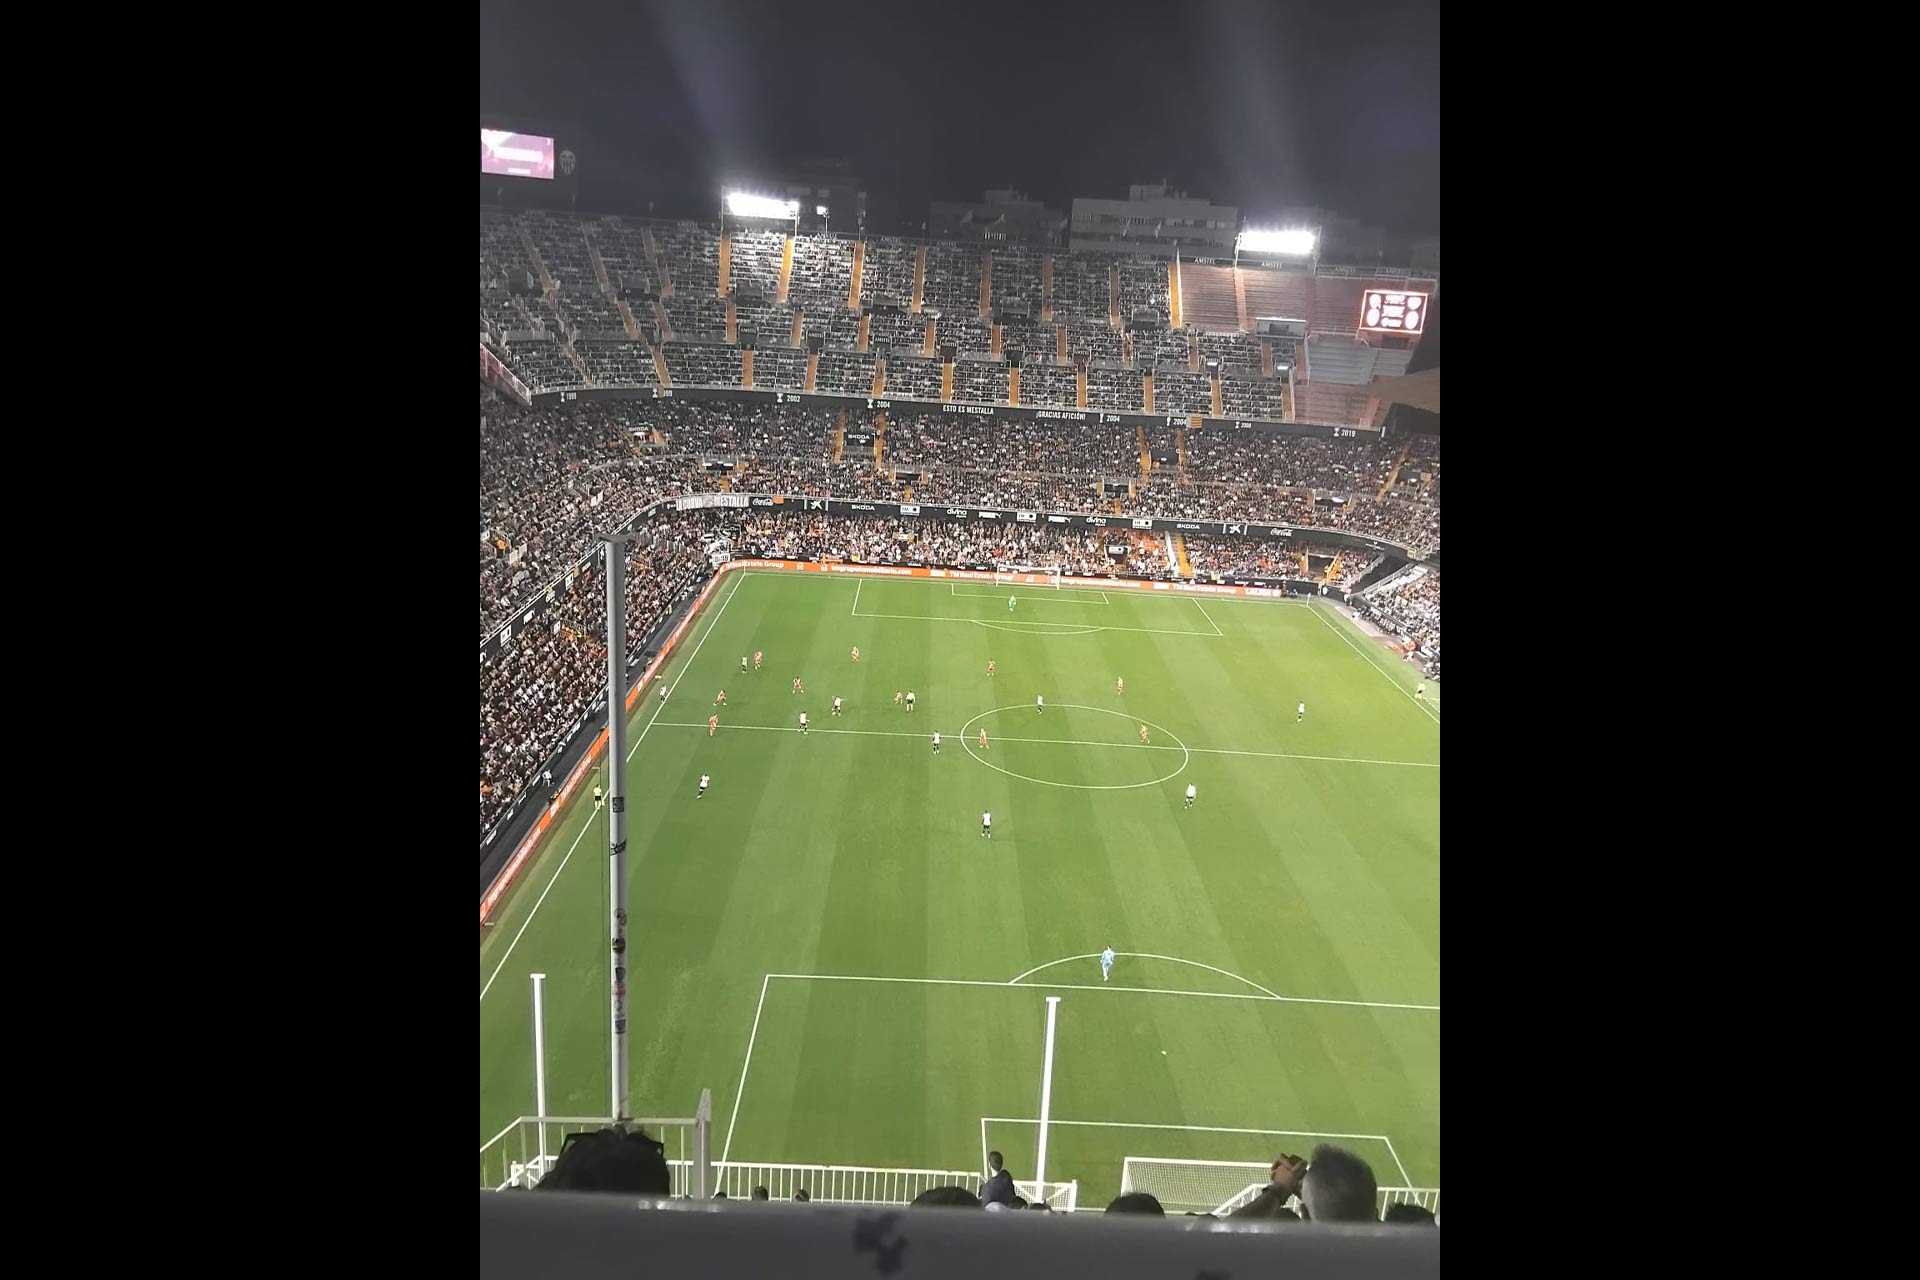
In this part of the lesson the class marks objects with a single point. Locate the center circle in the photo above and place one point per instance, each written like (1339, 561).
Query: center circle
(1186, 755)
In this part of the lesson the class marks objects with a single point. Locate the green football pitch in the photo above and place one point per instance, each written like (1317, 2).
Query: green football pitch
(827, 941)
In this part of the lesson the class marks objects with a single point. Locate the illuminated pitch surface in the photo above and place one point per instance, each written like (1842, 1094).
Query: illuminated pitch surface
(1309, 868)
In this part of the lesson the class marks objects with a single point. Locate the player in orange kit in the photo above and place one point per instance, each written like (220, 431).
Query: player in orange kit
(856, 653)
(713, 725)
(898, 697)
(756, 659)
(983, 740)
(989, 666)
(796, 685)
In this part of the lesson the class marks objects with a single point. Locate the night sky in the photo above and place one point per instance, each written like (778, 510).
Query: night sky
(1256, 105)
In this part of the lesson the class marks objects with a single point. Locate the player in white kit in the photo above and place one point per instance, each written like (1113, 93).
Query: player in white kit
(986, 824)
(1106, 963)
(803, 722)
(936, 743)
(1303, 714)
(836, 706)
(1192, 791)
(1421, 692)
(1040, 703)
(909, 700)
(703, 785)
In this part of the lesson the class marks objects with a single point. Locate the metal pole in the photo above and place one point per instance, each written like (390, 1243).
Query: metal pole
(1046, 1104)
(614, 549)
(540, 1065)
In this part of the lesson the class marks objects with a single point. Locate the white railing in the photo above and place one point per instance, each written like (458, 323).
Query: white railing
(1062, 1197)
(837, 1183)
(1425, 1197)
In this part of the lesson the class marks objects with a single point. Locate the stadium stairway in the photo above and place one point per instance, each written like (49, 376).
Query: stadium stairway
(946, 383)
(599, 266)
(1180, 451)
(746, 368)
(813, 370)
(879, 439)
(994, 343)
(1126, 350)
(1146, 459)
(1394, 474)
(928, 349)
(919, 276)
(586, 379)
(1180, 554)
(1113, 295)
(1046, 289)
(726, 264)
(660, 368)
(733, 322)
(1216, 394)
(1173, 293)
(1240, 299)
(1193, 355)
(660, 321)
(840, 437)
(1080, 394)
(1266, 358)
(879, 374)
(1333, 569)
(1146, 390)
(1013, 386)
(865, 333)
(986, 289)
(653, 257)
(1060, 356)
(786, 270)
(627, 321)
(853, 290)
(797, 318)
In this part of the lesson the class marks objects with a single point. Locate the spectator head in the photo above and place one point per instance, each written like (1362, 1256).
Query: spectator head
(611, 1159)
(1338, 1187)
(803, 1195)
(1137, 1202)
(760, 1193)
(1408, 1215)
(946, 1198)
(995, 1161)
(719, 1195)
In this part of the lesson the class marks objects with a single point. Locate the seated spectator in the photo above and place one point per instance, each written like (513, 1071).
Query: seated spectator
(803, 1195)
(1338, 1187)
(610, 1159)
(946, 1198)
(998, 1188)
(1411, 1215)
(1136, 1202)
(760, 1193)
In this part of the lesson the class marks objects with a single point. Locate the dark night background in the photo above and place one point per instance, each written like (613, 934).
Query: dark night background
(1248, 104)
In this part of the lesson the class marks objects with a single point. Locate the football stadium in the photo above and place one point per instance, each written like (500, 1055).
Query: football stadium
(1017, 782)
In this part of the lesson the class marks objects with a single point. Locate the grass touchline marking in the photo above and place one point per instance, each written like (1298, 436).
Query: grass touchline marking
(1208, 617)
(589, 825)
(1408, 1178)
(536, 907)
(1098, 626)
(1069, 986)
(1070, 742)
(1376, 666)
(740, 1091)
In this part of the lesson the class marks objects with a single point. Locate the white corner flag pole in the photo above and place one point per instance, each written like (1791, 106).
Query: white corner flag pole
(1046, 1103)
(540, 1066)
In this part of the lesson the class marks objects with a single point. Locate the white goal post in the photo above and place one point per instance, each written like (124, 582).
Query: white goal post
(1026, 575)
(1191, 1186)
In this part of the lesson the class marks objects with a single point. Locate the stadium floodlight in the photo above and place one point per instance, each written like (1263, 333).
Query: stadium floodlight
(742, 204)
(1295, 241)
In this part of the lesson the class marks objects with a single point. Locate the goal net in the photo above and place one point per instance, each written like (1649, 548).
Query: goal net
(1192, 1186)
(1026, 575)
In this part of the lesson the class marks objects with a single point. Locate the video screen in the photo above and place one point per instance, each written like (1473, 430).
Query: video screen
(516, 155)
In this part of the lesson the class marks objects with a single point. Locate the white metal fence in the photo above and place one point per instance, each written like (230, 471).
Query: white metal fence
(522, 1153)
(1221, 1186)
